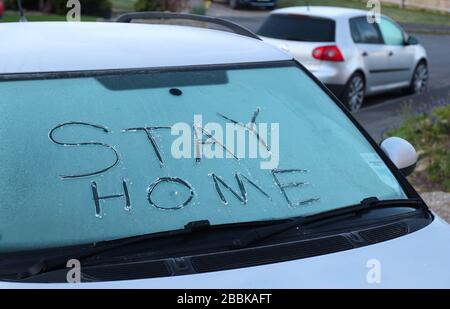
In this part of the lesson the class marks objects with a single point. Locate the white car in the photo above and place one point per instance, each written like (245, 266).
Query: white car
(91, 190)
(350, 51)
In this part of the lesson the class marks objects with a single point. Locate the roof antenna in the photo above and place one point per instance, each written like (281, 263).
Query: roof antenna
(307, 5)
(22, 16)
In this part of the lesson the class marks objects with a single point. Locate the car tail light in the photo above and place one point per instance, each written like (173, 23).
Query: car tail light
(328, 53)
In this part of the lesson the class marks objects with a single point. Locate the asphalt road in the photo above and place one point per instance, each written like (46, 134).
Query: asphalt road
(385, 111)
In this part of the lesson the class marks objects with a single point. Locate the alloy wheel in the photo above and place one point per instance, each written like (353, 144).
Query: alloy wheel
(420, 80)
(355, 93)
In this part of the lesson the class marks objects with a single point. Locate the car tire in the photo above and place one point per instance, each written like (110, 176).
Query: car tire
(234, 4)
(353, 94)
(419, 80)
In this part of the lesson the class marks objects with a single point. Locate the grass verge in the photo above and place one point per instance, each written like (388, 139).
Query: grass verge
(408, 15)
(124, 5)
(430, 135)
(14, 17)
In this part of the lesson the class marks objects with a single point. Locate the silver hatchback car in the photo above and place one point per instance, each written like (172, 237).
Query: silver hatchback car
(351, 56)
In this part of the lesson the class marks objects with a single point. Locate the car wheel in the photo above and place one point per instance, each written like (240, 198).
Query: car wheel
(353, 95)
(234, 4)
(419, 80)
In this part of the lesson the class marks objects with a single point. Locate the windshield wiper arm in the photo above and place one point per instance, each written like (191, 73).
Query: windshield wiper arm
(59, 261)
(248, 238)
(56, 262)
(255, 236)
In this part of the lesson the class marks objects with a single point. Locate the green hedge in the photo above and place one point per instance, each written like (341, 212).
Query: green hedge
(430, 134)
(158, 5)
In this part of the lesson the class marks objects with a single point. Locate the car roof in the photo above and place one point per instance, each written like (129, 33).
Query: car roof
(34, 47)
(322, 11)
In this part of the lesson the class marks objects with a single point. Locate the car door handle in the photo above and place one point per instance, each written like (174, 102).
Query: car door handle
(391, 53)
(365, 54)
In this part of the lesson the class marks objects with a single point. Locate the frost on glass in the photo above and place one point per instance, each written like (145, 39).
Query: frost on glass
(151, 139)
(107, 171)
(175, 193)
(250, 127)
(97, 199)
(242, 195)
(79, 144)
(290, 185)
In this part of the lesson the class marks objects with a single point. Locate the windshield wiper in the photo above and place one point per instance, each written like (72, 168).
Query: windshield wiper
(56, 262)
(248, 238)
(255, 236)
(59, 261)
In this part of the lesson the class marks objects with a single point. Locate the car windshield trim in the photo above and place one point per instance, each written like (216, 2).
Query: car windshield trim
(404, 185)
(126, 71)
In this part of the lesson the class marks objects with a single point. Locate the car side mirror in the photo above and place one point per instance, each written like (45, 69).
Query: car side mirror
(401, 153)
(411, 40)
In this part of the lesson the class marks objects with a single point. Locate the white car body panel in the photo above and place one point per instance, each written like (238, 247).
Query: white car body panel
(417, 260)
(53, 47)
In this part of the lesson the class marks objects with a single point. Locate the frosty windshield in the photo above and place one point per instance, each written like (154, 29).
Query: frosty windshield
(105, 157)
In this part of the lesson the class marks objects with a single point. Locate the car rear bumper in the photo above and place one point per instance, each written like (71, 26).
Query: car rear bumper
(332, 78)
(332, 73)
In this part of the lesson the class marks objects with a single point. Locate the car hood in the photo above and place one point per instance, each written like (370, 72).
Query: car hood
(417, 260)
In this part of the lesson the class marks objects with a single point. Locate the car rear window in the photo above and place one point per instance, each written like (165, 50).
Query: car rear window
(298, 28)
